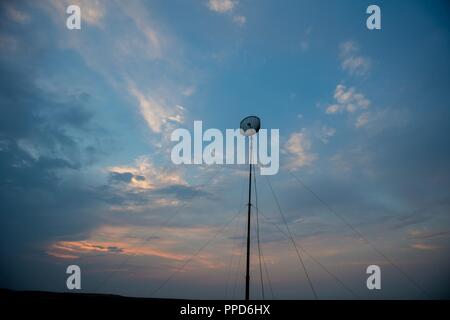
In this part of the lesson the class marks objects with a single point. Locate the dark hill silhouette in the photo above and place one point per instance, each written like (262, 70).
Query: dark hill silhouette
(62, 305)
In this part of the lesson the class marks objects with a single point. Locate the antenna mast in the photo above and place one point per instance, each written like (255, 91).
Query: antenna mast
(247, 276)
(249, 127)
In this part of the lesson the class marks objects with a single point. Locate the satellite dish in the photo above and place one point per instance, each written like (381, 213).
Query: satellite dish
(250, 125)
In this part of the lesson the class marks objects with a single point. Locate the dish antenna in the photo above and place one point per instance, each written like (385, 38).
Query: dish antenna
(249, 127)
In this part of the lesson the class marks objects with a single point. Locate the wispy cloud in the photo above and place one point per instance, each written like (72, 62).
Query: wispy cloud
(352, 61)
(135, 241)
(153, 38)
(8, 44)
(347, 99)
(188, 91)
(362, 120)
(305, 41)
(239, 20)
(350, 101)
(221, 5)
(74, 249)
(139, 42)
(423, 246)
(423, 234)
(16, 15)
(154, 113)
(227, 7)
(298, 147)
(145, 175)
(326, 133)
(92, 12)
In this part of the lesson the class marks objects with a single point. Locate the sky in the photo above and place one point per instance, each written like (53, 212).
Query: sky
(86, 176)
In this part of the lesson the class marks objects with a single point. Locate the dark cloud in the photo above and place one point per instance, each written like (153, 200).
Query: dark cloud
(182, 192)
(144, 196)
(113, 249)
(431, 235)
(123, 177)
(43, 136)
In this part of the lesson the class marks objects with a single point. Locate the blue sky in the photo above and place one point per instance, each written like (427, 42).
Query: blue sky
(85, 170)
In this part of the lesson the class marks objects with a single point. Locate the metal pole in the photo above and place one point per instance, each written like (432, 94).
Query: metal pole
(247, 277)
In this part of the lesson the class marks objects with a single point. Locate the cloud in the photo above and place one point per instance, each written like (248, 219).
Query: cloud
(347, 100)
(46, 136)
(188, 91)
(352, 61)
(239, 20)
(155, 114)
(8, 44)
(123, 177)
(145, 175)
(182, 191)
(136, 40)
(16, 15)
(326, 133)
(227, 6)
(351, 101)
(92, 11)
(221, 6)
(74, 249)
(130, 48)
(135, 241)
(305, 41)
(420, 234)
(362, 120)
(423, 246)
(299, 146)
(45, 128)
(139, 16)
(146, 187)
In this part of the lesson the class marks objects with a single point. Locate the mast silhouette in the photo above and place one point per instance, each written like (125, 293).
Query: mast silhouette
(247, 276)
(249, 127)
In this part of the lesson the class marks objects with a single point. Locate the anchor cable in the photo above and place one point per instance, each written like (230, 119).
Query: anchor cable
(187, 261)
(364, 238)
(292, 239)
(257, 234)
